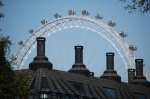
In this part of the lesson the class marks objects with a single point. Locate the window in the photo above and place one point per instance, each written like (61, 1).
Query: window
(111, 92)
(44, 84)
(32, 90)
(79, 87)
(30, 96)
(75, 97)
(82, 94)
(45, 95)
(67, 97)
(44, 89)
(58, 96)
(99, 97)
(140, 96)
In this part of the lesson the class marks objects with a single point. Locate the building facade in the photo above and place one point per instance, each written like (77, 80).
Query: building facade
(80, 83)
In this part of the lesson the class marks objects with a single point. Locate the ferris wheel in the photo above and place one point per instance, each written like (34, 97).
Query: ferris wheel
(60, 23)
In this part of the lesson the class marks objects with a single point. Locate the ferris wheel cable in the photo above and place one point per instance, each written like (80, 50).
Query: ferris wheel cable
(93, 51)
(67, 42)
(100, 71)
(88, 41)
(60, 49)
(104, 50)
(24, 55)
(76, 35)
(117, 60)
(51, 49)
(125, 79)
(76, 42)
(97, 49)
(110, 31)
(55, 42)
(101, 56)
(123, 73)
(24, 43)
(110, 49)
(50, 52)
(80, 35)
(98, 59)
(119, 67)
(69, 55)
(87, 35)
(86, 38)
(83, 40)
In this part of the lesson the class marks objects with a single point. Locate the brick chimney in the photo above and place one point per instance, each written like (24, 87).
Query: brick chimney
(131, 74)
(40, 61)
(78, 67)
(110, 73)
(40, 46)
(139, 78)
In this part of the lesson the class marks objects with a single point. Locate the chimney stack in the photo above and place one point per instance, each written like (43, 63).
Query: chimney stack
(78, 67)
(110, 73)
(40, 61)
(139, 78)
(139, 67)
(110, 60)
(131, 74)
(78, 54)
(40, 46)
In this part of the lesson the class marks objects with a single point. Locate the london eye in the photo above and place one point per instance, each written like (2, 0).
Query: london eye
(97, 32)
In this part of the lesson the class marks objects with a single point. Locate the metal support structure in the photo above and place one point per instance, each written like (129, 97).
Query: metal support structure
(76, 22)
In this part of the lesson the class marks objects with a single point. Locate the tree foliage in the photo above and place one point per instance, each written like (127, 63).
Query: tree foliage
(143, 6)
(12, 83)
(20, 84)
(6, 73)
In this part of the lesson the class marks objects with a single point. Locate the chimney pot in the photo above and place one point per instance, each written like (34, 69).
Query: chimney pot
(110, 60)
(40, 61)
(139, 67)
(131, 74)
(40, 46)
(79, 67)
(139, 78)
(110, 73)
(78, 54)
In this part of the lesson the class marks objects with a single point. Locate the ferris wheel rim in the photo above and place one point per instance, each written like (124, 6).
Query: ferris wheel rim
(71, 18)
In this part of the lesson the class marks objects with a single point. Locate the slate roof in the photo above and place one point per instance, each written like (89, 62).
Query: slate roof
(80, 85)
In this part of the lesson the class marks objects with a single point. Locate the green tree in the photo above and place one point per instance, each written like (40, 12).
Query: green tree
(143, 6)
(20, 84)
(12, 83)
(6, 73)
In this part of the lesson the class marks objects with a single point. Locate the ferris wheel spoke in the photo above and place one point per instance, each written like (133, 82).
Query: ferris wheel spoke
(78, 22)
(93, 51)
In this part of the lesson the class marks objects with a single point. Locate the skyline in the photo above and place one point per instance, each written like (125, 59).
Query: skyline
(20, 16)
